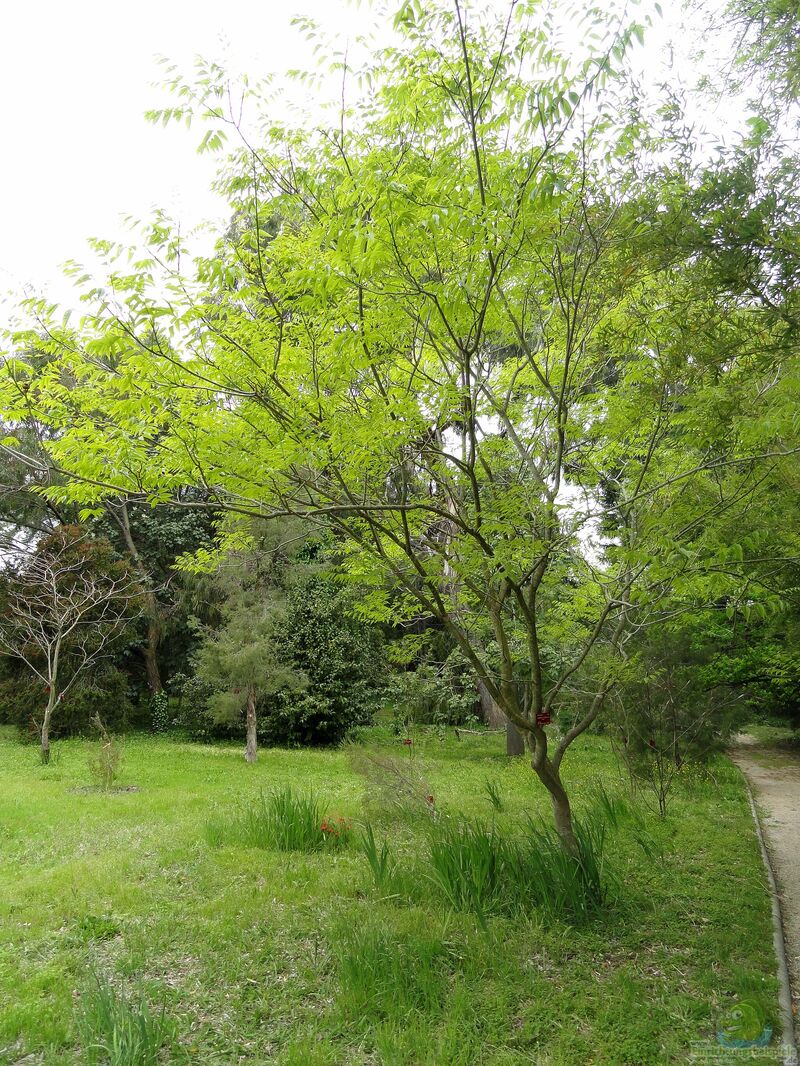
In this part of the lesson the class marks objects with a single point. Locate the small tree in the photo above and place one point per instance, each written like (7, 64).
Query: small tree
(669, 713)
(242, 661)
(104, 766)
(65, 609)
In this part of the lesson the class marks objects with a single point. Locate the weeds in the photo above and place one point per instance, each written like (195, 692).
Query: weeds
(118, 1031)
(104, 766)
(617, 811)
(380, 860)
(394, 786)
(283, 820)
(493, 792)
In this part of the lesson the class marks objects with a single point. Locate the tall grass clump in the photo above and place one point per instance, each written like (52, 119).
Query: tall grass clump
(104, 766)
(477, 869)
(493, 793)
(381, 861)
(384, 975)
(116, 1030)
(617, 812)
(282, 820)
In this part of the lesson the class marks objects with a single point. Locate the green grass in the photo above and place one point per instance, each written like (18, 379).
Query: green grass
(120, 1030)
(778, 738)
(260, 955)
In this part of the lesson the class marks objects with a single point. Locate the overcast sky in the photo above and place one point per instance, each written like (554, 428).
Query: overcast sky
(75, 79)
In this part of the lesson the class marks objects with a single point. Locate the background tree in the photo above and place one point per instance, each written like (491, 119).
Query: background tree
(153, 538)
(242, 662)
(671, 713)
(279, 641)
(62, 611)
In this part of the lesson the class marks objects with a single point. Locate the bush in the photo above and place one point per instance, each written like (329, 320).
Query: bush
(343, 660)
(340, 657)
(192, 713)
(438, 694)
(105, 693)
(667, 719)
(284, 820)
(104, 767)
(160, 712)
(394, 787)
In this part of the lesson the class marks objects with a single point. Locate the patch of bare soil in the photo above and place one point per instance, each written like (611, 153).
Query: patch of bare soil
(87, 789)
(775, 780)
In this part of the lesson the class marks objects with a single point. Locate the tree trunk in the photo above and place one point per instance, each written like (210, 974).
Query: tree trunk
(562, 815)
(550, 777)
(45, 730)
(495, 718)
(491, 711)
(150, 649)
(251, 749)
(515, 742)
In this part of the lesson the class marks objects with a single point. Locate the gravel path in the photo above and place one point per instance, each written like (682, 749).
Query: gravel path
(774, 776)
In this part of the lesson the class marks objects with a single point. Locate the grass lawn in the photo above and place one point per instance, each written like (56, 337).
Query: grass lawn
(260, 956)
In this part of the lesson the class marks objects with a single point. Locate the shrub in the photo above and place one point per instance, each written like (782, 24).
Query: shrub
(120, 1031)
(160, 713)
(670, 714)
(338, 658)
(283, 820)
(343, 660)
(394, 787)
(439, 694)
(105, 693)
(192, 713)
(104, 766)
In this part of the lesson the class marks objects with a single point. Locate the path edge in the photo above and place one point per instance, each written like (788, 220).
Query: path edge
(789, 1046)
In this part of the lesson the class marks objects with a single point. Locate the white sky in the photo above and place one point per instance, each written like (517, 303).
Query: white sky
(75, 79)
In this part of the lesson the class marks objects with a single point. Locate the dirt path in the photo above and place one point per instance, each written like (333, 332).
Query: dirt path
(774, 776)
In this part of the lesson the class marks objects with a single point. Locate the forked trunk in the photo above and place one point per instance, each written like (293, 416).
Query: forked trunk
(251, 749)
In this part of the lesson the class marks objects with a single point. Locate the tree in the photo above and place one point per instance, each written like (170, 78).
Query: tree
(279, 641)
(63, 609)
(768, 49)
(153, 538)
(671, 712)
(242, 662)
(472, 336)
